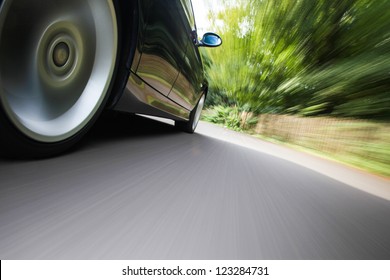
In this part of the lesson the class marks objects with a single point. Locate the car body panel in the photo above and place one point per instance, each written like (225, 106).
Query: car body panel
(164, 46)
(167, 66)
(191, 82)
(139, 97)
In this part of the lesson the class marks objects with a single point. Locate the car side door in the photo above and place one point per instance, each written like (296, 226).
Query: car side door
(190, 82)
(164, 45)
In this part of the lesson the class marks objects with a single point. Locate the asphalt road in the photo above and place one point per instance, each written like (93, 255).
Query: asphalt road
(137, 189)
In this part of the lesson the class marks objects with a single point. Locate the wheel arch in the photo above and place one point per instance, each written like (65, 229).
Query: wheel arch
(127, 13)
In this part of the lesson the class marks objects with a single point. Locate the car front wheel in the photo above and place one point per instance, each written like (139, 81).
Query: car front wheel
(190, 125)
(57, 61)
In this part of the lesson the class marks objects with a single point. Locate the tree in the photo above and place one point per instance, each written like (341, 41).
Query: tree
(304, 57)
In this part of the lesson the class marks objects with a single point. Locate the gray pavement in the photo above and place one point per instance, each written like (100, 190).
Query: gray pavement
(137, 189)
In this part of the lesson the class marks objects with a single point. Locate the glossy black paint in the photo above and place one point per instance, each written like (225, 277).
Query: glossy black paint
(166, 75)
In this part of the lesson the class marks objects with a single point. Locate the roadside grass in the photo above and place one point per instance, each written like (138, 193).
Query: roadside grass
(358, 162)
(359, 143)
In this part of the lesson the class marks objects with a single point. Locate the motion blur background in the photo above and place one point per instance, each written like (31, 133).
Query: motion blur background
(314, 74)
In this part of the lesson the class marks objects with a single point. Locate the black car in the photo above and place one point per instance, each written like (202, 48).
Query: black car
(62, 62)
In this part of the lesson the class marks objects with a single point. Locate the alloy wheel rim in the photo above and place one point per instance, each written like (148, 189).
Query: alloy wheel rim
(198, 112)
(57, 61)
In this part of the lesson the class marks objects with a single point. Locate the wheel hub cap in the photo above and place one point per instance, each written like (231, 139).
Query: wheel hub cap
(61, 54)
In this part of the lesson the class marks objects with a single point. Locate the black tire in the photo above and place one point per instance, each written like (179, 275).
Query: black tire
(190, 125)
(57, 67)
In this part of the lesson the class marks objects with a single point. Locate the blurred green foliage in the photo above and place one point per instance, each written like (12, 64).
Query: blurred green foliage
(227, 116)
(230, 117)
(302, 57)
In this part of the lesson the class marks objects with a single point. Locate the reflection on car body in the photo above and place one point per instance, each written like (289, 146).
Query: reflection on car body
(72, 59)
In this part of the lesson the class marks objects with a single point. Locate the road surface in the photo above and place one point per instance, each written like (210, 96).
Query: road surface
(137, 189)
